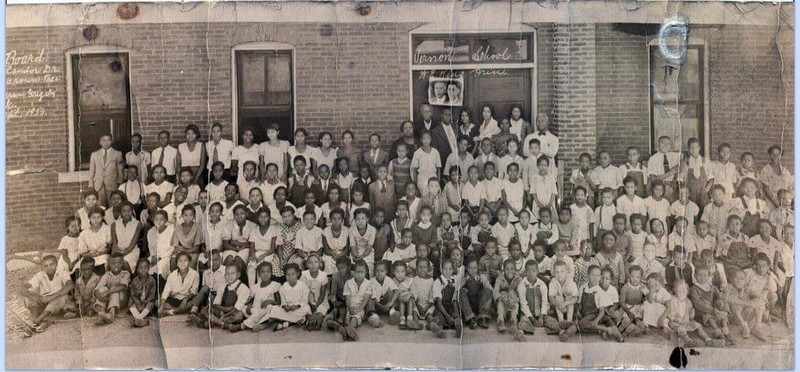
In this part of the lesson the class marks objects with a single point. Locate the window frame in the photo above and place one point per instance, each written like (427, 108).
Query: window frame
(693, 42)
(259, 47)
(445, 30)
(72, 174)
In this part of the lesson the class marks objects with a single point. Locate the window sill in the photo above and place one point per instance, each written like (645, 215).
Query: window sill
(73, 177)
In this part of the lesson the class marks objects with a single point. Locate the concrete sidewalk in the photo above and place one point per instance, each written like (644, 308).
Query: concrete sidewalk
(81, 344)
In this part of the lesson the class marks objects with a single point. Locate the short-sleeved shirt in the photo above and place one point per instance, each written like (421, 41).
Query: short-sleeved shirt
(213, 233)
(358, 242)
(275, 154)
(689, 211)
(308, 240)
(604, 298)
(561, 291)
(44, 285)
(494, 189)
(426, 162)
(422, 288)
(657, 209)
(182, 288)
(160, 243)
(141, 161)
(356, 291)
(770, 248)
(241, 290)
(109, 279)
(216, 193)
(242, 155)
(212, 279)
(629, 207)
(379, 289)
(473, 193)
(603, 217)
(162, 190)
(608, 177)
(239, 233)
(262, 242)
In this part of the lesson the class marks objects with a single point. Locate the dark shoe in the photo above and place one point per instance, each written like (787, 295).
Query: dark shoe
(483, 323)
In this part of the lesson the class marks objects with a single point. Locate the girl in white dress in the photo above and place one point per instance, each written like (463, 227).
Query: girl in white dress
(335, 239)
(300, 148)
(95, 240)
(294, 299)
(125, 234)
(275, 151)
(192, 154)
(425, 163)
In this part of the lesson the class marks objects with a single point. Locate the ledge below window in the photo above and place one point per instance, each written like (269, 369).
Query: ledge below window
(73, 177)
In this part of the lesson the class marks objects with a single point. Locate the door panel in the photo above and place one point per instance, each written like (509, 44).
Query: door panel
(265, 92)
(101, 88)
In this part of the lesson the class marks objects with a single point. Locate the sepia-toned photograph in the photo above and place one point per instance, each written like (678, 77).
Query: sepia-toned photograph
(418, 184)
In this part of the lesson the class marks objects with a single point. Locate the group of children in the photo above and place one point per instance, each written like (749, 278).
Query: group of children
(335, 237)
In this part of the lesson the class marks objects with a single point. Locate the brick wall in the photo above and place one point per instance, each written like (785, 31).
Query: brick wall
(592, 82)
(745, 85)
(574, 99)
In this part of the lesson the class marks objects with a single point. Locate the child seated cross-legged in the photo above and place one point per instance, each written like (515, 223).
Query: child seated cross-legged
(710, 308)
(505, 296)
(631, 300)
(143, 294)
(338, 312)
(265, 296)
(111, 291)
(294, 300)
(212, 277)
(444, 293)
(681, 319)
(405, 300)
(654, 309)
(475, 295)
(227, 309)
(384, 292)
(421, 289)
(747, 309)
(562, 295)
(84, 287)
(47, 293)
(491, 264)
(596, 296)
(533, 301)
(317, 282)
(357, 293)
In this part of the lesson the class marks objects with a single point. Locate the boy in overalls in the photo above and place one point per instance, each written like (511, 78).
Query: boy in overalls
(227, 308)
(447, 314)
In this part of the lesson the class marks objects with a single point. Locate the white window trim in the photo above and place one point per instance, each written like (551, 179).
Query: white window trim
(258, 46)
(72, 175)
(448, 29)
(693, 41)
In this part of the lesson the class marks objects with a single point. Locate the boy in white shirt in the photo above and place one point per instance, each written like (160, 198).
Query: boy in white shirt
(636, 170)
(657, 205)
(724, 170)
(603, 217)
(606, 175)
(308, 239)
(683, 207)
(159, 242)
(47, 293)
(493, 187)
(357, 293)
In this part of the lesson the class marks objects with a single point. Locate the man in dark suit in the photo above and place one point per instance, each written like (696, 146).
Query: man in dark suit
(444, 137)
(374, 156)
(427, 121)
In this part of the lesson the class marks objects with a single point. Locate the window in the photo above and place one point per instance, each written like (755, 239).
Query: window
(678, 106)
(469, 70)
(265, 93)
(100, 104)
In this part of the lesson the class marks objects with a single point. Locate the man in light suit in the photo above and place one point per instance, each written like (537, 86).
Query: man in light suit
(105, 170)
(382, 192)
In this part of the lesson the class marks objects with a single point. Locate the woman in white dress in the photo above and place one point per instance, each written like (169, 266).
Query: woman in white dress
(125, 234)
(325, 153)
(301, 148)
(247, 151)
(488, 127)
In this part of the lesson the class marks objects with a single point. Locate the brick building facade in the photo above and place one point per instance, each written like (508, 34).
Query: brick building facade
(353, 72)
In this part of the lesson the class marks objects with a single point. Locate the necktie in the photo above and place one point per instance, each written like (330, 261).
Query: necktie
(383, 187)
(666, 164)
(161, 157)
(215, 157)
(105, 156)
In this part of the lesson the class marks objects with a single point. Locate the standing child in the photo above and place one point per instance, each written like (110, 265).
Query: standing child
(138, 158)
(515, 192)
(581, 177)
(132, 187)
(165, 156)
(362, 239)
(301, 180)
(473, 194)
(246, 152)
(582, 214)
(636, 170)
(657, 205)
(452, 193)
(105, 169)
(112, 290)
(400, 169)
(605, 175)
(425, 163)
(610, 259)
(716, 212)
(630, 203)
(143, 294)
(382, 191)
(602, 220)
(405, 298)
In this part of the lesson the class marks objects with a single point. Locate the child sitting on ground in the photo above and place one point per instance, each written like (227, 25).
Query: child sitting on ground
(709, 305)
(264, 298)
(681, 319)
(505, 296)
(596, 296)
(294, 300)
(227, 309)
(84, 287)
(357, 292)
(143, 294)
(476, 296)
(444, 293)
(111, 291)
(631, 300)
(317, 282)
(654, 309)
(384, 292)
(405, 299)
(47, 293)
(422, 288)
(747, 309)
(562, 295)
